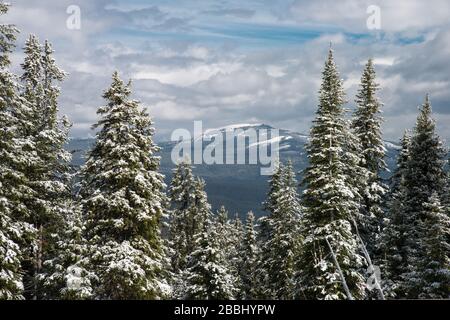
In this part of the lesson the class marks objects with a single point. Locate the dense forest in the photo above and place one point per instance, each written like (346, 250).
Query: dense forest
(112, 229)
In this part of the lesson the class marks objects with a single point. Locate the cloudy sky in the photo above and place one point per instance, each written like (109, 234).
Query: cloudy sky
(232, 61)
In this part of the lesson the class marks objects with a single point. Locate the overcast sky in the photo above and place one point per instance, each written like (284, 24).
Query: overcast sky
(235, 61)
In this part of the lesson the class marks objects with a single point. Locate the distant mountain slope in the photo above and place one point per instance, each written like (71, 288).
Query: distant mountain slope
(239, 187)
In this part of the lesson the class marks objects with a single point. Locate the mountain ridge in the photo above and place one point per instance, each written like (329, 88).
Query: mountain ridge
(239, 187)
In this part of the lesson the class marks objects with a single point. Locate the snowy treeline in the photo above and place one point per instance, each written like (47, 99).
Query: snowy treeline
(113, 230)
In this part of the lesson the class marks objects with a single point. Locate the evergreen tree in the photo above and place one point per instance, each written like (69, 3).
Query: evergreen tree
(208, 275)
(330, 202)
(65, 275)
(367, 127)
(275, 185)
(250, 253)
(123, 201)
(262, 290)
(281, 250)
(234, 254)
(434, 270)
(394, 236)
(48, 135)
(424, 176)
(187, 214)
(224, 228)
(425, 173)
(397, 179)
(8, 34)
(446, 197)
(14, 185)
(264, 287)
(11, 286)
(231, 233)
(265, 234)
(189, 223)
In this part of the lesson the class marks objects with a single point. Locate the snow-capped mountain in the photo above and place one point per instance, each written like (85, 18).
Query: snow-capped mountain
(287, 139)
(239, 187)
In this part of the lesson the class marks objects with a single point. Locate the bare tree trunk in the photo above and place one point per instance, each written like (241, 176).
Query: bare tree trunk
(369, 261)
(344, 283)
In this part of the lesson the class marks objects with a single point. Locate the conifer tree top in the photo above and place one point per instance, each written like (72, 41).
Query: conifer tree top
(331, 93)
(424, 121)
(7, 37)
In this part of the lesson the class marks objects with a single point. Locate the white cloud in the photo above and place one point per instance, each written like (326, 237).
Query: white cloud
(351, 15)
(275, 71)
(383, 61)
(183, 77)
(170, 110)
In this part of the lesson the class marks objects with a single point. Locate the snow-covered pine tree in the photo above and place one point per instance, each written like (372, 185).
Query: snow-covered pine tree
(208, 274)
(14, 186)
(231, 237)
(188, 203)
(446, 197)
(393, 240)
(200, 205)
(275, 185)
(224, 227)
(11, 285)
(237, 230)
(264, 232)
(261, 290)
(47, 135)
(367, 127)
(250, 253)
(123, 201)
(434, 269)
(189, 222)
(329, 202)
(8, 35)
(397, 179)
(234, 254)
(264, 226)
(424, 176)
(281, 250)
(264, 288)
(65, 275)
(425, 173)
